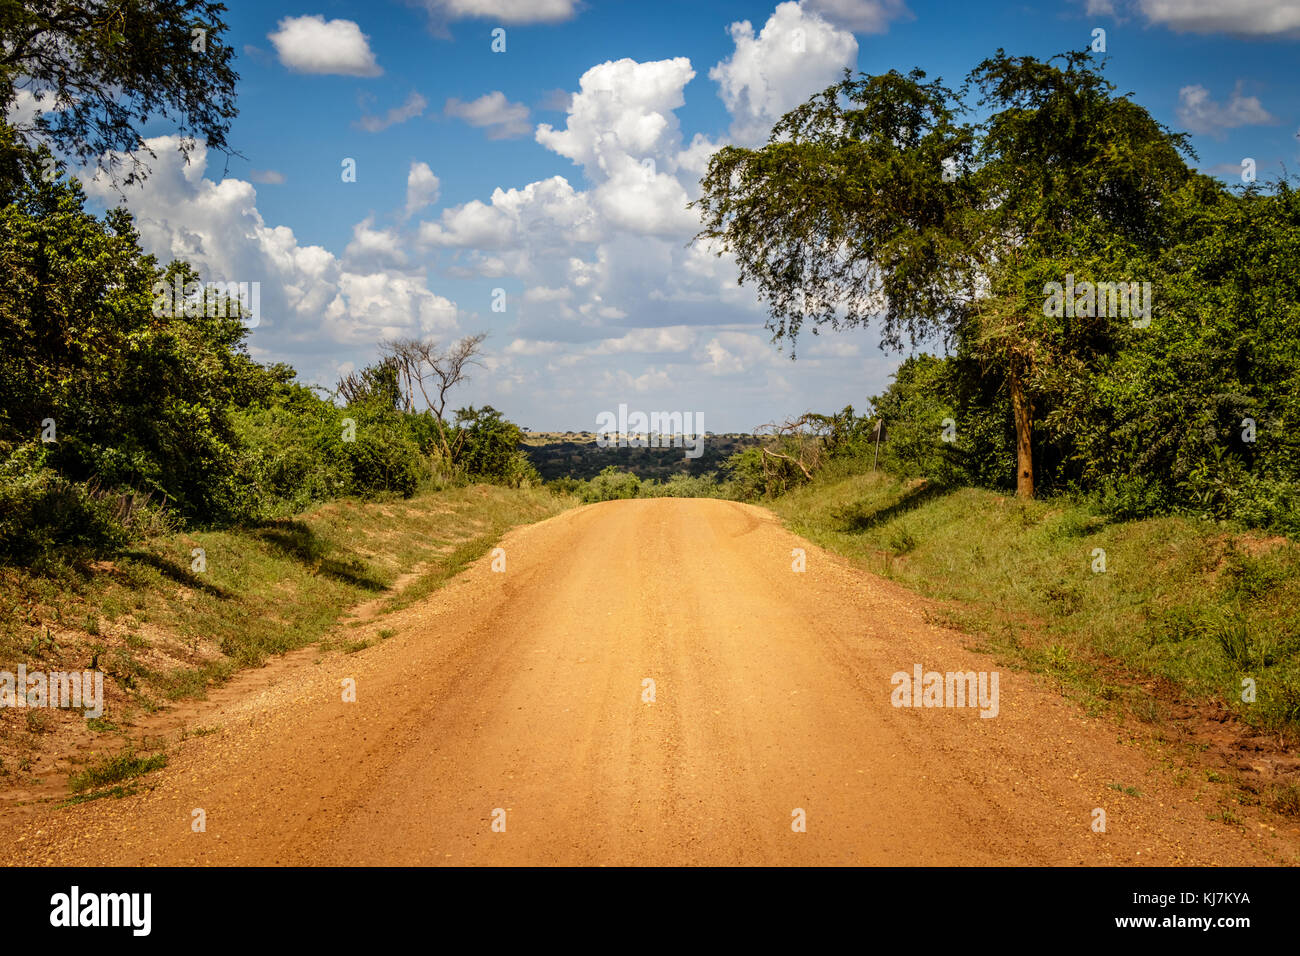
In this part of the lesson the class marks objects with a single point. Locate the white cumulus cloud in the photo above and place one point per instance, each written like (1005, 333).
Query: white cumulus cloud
(623, 131)
(504, 11)
(622, 109)
(548, 212)
(413, 107)
(312, 44)
(797, 53)
(312, 302)
(372, 247)
(26, 106)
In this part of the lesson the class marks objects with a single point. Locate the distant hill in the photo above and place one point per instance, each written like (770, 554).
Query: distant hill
(576, 455)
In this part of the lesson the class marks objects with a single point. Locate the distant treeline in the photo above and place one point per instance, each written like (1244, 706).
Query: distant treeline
(585, 459)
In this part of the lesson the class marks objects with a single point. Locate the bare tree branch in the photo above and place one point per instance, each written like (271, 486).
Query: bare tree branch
(432, 371)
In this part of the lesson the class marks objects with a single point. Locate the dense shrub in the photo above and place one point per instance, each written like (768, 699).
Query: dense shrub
(684, 485)
(135, 400)
(566, 485)
(108, 398)
(43, 514)
(1196, 413)
(746, 476)
(381, 460)
(611, 485)
(487, 448)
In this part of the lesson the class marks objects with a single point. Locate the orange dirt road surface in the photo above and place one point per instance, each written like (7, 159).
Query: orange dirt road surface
(523, 691)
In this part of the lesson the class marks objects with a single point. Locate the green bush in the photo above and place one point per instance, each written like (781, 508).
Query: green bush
(611, 485)
(136, 400)
(1197, 413)
(487, 446)
(566, 485)
(521, 473)
(745, 474)
(752, 475)
(684, 485)
(381, 460)
(1131, 497)
(43, 516)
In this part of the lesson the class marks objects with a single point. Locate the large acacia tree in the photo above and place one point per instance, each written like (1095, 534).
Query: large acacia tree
(873, 200)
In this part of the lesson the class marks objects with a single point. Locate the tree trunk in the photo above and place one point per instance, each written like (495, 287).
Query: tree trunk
(1024, 416)
(447, 453)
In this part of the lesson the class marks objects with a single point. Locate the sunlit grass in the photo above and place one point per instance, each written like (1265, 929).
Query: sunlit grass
(1202, 606)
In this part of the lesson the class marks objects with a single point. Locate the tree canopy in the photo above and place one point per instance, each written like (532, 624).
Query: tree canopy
(93, 73)
(874, 202)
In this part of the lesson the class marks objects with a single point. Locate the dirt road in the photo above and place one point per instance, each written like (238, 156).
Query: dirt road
(520, 697)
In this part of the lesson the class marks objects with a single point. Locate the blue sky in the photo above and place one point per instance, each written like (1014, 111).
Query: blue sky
(478, 171)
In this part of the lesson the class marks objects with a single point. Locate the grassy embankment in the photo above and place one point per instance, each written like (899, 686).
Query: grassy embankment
(1183, 613)
(161, 630)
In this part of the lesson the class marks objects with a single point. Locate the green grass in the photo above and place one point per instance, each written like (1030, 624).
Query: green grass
(266, 590)
(117, 793)
(465, 553)
(114, 770)
(1191, 608)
